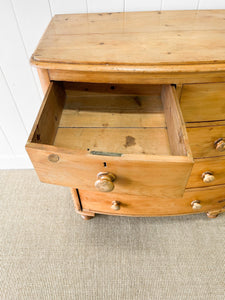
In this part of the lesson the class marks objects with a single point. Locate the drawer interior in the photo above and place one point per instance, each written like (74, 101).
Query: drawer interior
(112, 119)
(135, 132)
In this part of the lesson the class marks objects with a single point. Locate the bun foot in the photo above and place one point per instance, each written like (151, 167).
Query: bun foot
(86, 218)
(212, 216)
(214, 213)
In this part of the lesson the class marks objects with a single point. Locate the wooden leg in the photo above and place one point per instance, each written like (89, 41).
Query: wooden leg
(76, 200)
(78, 208)
(86, 218)
(211, 216)
(214, 213)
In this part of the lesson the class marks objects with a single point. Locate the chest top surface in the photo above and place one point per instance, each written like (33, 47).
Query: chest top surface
(167, 39)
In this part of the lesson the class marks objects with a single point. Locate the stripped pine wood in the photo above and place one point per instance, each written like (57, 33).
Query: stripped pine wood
(203, 102)
(210, 198)
(71, 154)
(114, 122)
(153, 141)
(137, 75)
(82, 118)
(205, 124)
(105, 110)
(140, 174)
(215, 165)
(202, 140)
(83, 40)
(46, 124)
(175, 124)
(90, 89)
(44, 79)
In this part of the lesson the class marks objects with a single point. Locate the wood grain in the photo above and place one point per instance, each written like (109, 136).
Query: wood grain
(175, 124)
(82, 118)
(44, 79)
(203, 102)
(132, 205)
(88, 109)
(90, 89)
(153, 141)
(139, 157)
(46, 123)
(188, 37)
(179, 88)
(142, 174)
(205, 124)
(113, 119)
(216, 165)
(137, 74)
(202, 140)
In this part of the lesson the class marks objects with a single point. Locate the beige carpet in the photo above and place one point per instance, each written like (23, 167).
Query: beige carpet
(49, 252)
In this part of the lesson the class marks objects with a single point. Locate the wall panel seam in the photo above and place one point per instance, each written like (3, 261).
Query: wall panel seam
(86, 1)
(50, 8)
(22, 40)
(14, 102)
(6, 138)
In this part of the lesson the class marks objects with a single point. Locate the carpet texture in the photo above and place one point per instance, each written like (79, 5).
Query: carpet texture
(49, 252)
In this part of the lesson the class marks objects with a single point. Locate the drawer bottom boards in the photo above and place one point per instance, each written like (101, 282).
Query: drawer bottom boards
(211, 198)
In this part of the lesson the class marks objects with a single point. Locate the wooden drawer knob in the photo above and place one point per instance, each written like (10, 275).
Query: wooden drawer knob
(196, 204)
(53, 158)
(207, 177)
(220, 145)
(105, 182)
(115, 205)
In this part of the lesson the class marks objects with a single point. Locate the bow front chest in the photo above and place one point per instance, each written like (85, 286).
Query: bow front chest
(133, 117)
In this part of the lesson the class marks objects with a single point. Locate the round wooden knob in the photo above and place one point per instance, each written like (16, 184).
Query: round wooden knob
(105, 182)
(115, 205)
(196, 204)
(220, 145)
(53, 158)
(207, 177)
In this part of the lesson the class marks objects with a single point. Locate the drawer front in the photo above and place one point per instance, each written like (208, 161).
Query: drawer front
(207, 172)
(202, 140)
(203, 102)
(150, 177)
(117, 204)
(74, 156)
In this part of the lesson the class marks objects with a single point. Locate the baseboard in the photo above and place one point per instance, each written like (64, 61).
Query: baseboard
(15, 162)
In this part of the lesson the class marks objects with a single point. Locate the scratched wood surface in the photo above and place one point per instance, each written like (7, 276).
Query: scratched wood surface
(134, 39)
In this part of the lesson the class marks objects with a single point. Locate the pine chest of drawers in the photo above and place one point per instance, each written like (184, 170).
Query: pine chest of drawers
(133, 118)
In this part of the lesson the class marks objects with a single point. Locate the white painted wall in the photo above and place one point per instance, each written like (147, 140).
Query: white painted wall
(22, 23)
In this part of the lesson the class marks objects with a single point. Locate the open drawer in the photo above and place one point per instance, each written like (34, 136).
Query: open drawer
(119, 138)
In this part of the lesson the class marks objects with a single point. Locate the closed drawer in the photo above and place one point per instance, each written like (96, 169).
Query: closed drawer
(207, 172)
(134, 136)
(204, 141)
(206, 198)
(203, 102)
